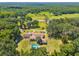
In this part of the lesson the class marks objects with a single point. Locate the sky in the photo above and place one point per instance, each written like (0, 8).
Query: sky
(39, 0)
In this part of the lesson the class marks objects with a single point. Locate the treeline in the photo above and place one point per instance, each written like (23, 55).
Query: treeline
(9, 32)
(25, 10)
(66, 30)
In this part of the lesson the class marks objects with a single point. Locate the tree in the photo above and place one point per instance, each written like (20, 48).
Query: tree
(29, 24)
(29, 18)
(59, 28)
(76, 44)
(35, 24)
(67, 49)
(57, 13)
(77, 54)
(7, 38)
(7, 44)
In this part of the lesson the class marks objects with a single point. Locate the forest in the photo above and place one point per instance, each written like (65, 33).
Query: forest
(39, 29)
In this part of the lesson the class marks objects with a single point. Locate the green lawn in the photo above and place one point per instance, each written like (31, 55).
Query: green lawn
(66, 16)
(42, 24)
(54, 44)
(41, 16)
(23, 45)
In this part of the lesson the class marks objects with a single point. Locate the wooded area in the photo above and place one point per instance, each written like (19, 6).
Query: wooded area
(56, 28)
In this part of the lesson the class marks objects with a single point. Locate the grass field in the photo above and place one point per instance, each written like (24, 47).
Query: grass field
(23, 46)
(54, 44)
(66, 16)
(42, 25)
(41, 16)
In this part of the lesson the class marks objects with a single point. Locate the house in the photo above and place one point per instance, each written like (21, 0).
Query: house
(34, 35)
(42, 41)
